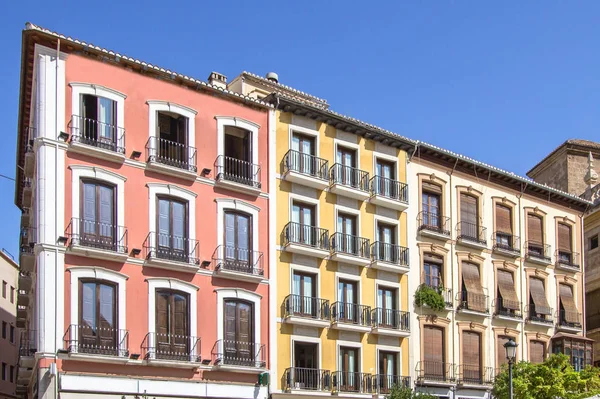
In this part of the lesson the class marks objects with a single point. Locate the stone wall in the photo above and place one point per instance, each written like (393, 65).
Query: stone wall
(556, 175)
(577, 168)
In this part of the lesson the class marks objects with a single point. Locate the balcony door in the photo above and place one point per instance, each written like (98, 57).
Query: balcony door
(433, 273)
(434, 366)
(304, 290)
(347, 296)
(97, 226)
(388, 371)
(172, 230)
(346, 159)
(386, 304)
(303, 217)
(172, 144)
(471, 355)
(98, 121)
(347, 240)
(97, 318)
(469, 217)
(303, 157)
(172, 324)
(349, 380)
(238, 155)
(306, 363)
(238, 333)
(430, 203)
(238, 241)
(385, 182)
(386, 236)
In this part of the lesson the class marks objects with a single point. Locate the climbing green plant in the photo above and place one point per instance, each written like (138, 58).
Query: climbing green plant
(402, 392)
(430, 296)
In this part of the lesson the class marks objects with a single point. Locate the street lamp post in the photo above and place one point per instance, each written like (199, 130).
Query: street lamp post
(511, 354)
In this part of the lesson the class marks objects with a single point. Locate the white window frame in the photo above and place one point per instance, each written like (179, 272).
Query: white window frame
(352, 211)
(224, 204)
(154, 106)
(388, 158)
(388, 348)
(244, 295)
(352, 277)
(80, 88)
(252, 127)
(95, 173)
(341, 143)
(306, 270)
(391, 285)
(349, 344)
(388, 221)
(307, 132)
(308, 340)
(155, 283)
(308, 200)
(156, 189)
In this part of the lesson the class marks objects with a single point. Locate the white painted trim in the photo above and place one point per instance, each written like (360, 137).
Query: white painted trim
(245, 295)
(337, 142)
(155, 189)
(224, 204)
(316, 271)
(306, 131)
(302, 198)
(388, 158)
(99, 273)
(79, 88)
(349, 344)
(352, 211)
(387, 284)
(386, 220)
(252, 127)
(81, 171)
(273, 327)
(173, 284)
(388, 348)
(351, 277)
(155, 106)
(305, 339)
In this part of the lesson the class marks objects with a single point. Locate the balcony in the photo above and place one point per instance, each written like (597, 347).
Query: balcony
(23, 298)
(25, 218)
(22, 314)
(383, 383)
(472, 303)
(305, 169)
(539, 253)
(350, 249)
(27, 192)
(567, 260)
(349, 182)
(433, 225)
(172, 350)
(471, 235)
(505, 309)
(446, 293)
(306, 240)
(306, 379)
(537, 315)
(389, 257)
(569, 321)
(96, 344)
(238, 356)
(27, 348)
(171, 252)
(395, 323)
(475, 376)
(97, 240)
(171, 158)
(237, 175)
(27, 253)
(29, 164)
(97, 139)
(350, 317)
(352, 382)
(25, 281)
(434, 373)
(306, 311)
(506, 244)
(388, 193)
(238, 264)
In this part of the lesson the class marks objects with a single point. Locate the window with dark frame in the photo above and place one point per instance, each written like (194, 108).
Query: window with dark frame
(306, 360)
(238, 241)
(565, 254)
(303, 219)
(349, 361)
(385, 182)
(172, 325)
(431, 205)
(385, 249)
(347, 238)
(345, 172)
(433, 271)
(238, 155)
(535, 235)
(471, 356)
(97, 330)
(172, 235)
(97, 227)
(4, 285)
(302, 159)
(4, 371)
(386, 307)
(238, 332)
(98, 121)
(347, 297)
(434, 366)
(594, 242)
(388, 371)
(504, 230)
(4, 329)
(304, 289)
(12, 374)
(12, 294)
(469, 217)
(172, 132)
(12, 334)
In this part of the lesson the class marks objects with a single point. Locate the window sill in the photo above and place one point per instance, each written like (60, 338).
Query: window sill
(515, 253)
(434, 234)
(567, 267)
(158, 167)
(98, 253)
(538, 261)
(386, 202)
(471, 244)
(96, 152)
(171, 265)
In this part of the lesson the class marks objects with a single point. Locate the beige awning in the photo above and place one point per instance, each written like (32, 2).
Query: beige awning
(568, 302)
(475, 297)
(506, 285)
(538, 295)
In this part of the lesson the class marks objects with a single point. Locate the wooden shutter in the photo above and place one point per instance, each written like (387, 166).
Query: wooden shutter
(107, 320)
(468, 209)
(471, 349)
(534, 229)
(433, 341)
(88, 316)
(500, 350)
(244, 331)
(537, 351)
(564, 237)
(472, 282)
(431, 188)
(162, 321)
(538, 295)
(506, 286)
(568, 303)
(503, 219)
(179, 323)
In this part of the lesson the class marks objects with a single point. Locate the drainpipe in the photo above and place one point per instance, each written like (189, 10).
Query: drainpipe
(521, 270)
(56, 234)
(583, 294)
(452, 255)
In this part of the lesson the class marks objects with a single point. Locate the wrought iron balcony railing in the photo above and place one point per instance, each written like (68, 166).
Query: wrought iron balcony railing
(237, 171)
(538, 314)
(351, 313)
(389, 188)
(428, 370)
(506, 242)
(238, 260)
(390, 318)
(471, 232)
(303, 234)
(472, 301)
(171, 153)
(306, 306)
(239, 353)
(567, 259)
(349, 177)
(433, 222)
(307, 164)
(537, 250)
(171, 248)
(303, 378)
(383, 383)
(92, 340)
(99, 134)
(95, 234)
(349, 244)
(28, 343)
(507, 308)
(352, 381)
(569, 319)
(390, 253)
(475, 374)
(174, 347)
(436, 283)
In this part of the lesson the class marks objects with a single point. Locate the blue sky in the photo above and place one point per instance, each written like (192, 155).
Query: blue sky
(502, 82)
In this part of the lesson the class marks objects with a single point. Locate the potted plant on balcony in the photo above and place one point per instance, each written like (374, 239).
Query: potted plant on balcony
(430, 296)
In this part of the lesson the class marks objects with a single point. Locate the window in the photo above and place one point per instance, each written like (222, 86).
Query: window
(172, 223)
(469, 217)
(347, 297)
(569, 315)
(504, 231)
(578, 350)
(97, 225)
(385, 179)
(501, 351)
(539, 309)
(4, 285)
(304, 291)
(239, 332)
(471, 356)
(303, 220)
(473, 297)
(537, 351)
(507, 303)
(302, 158)
(172, 325)
(432, 268)
(565, 254)
(433, 353)
(430, 201)
(4, 329)
(348, 363)
(386, 307)
(238, 241)
(535, 236)
(594, 242)
(172, 140)
(12, 294)
(385, 248)
(237, 147)
(306, 361)
(12, 334)
(12, 374)
(388, 371)
(345, 171)
(97, 122)
(97, 329)
(4, 371)
(346, 240)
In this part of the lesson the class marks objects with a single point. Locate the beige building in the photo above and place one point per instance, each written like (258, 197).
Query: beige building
(574, 167)
(9, 337)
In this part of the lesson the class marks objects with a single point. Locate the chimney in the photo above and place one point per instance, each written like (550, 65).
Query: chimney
(218, 79)
(273, 77)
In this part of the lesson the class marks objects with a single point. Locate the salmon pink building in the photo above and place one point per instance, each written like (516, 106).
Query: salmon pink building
(145, 229)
